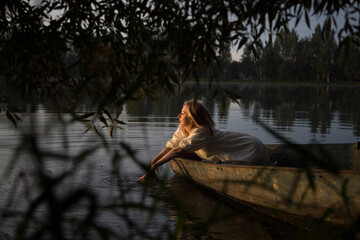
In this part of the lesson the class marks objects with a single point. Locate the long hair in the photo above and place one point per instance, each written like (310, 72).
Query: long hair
(200, 116)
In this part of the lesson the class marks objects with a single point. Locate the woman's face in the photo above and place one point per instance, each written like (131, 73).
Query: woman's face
(184, 117)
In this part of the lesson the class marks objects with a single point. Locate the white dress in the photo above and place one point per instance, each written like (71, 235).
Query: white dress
(222, 146)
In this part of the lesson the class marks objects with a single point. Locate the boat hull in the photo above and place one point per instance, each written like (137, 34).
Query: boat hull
(317, 193)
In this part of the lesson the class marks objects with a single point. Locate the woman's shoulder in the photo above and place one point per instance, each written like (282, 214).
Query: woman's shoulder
(200, 131)
(197, 131)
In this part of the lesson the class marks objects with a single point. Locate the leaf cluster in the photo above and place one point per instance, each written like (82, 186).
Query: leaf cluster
(110, 51)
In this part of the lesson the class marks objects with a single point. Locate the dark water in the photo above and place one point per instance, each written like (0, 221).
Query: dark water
(303, 114)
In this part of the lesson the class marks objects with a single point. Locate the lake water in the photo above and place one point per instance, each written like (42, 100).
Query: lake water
(303, 114)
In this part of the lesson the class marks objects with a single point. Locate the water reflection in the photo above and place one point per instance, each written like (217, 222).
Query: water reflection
(326, 114)
(319, 106)
(301, 113)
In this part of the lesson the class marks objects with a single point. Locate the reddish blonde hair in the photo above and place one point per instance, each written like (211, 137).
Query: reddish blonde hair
(200, 116)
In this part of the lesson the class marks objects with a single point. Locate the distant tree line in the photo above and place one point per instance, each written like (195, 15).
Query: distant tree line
(317, 58)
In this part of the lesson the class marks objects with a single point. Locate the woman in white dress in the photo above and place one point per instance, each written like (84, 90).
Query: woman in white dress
(196, 138)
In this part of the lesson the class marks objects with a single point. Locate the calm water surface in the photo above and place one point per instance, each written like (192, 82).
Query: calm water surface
(303, 114)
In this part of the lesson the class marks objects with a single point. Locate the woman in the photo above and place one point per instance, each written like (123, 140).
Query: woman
(196, 138)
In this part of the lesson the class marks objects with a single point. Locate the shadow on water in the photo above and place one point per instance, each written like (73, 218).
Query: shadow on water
(206, 216)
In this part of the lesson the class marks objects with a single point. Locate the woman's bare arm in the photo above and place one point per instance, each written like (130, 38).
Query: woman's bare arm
(173, 153)
(160, 155)
(163, 157)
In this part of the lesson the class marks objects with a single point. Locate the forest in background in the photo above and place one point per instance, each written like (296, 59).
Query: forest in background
(290, 58)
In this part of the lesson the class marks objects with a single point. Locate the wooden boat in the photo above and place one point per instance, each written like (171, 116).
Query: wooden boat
(294, 192)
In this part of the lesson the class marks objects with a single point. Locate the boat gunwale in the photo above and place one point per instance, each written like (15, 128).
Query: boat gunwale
(272, 147)
(294, 169)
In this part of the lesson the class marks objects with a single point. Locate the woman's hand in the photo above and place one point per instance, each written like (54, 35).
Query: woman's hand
(141, 179)
(148, 175)
(166, 155)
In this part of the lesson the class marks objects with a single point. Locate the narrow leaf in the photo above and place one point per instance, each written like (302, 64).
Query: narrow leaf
(88, 128)
(119, 121)
(95, 130)
(307, 20)
(103, 120)
(242, 42)
(111, 131)
(108, 114)
(17, 117)
(86, 115)
(11, 118)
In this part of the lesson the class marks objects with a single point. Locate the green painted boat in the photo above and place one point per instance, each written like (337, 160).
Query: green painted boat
(294, 192)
